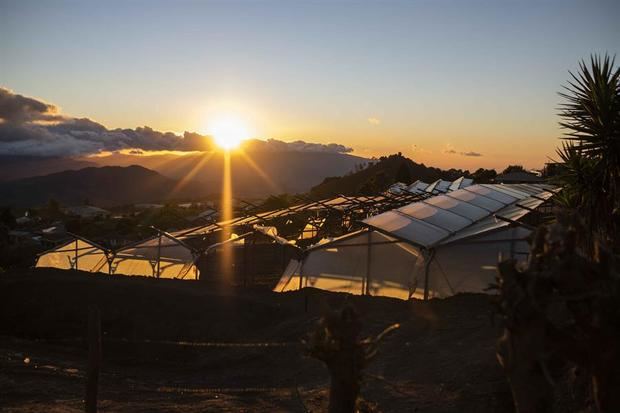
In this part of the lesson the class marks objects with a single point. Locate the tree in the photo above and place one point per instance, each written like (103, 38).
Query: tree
(7, 218)
(53, 210)
(484, 176)
(590, 149)
(276, 202)
(403, 174)
(513, 168)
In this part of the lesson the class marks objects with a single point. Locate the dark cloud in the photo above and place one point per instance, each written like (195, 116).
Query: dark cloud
(451, 151)
(32, 127)
(16, 108)
(275, 145)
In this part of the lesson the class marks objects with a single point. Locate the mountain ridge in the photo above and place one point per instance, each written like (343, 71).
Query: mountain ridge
(102, 186)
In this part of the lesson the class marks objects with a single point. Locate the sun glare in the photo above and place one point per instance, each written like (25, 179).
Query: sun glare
(228, 132)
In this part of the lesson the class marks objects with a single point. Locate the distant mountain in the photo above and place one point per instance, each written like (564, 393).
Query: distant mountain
(118, 179)
(105, 186)
(18, 167)
(380, 175)
(254, 174)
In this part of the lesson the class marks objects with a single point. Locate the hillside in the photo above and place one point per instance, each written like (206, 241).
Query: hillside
(379, 176)
(254, 174)
(106, 186)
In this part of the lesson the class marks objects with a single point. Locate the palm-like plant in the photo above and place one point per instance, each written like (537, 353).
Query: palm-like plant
(591, 149)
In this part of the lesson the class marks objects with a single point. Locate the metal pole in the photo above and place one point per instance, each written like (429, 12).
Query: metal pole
(368, 263)
(427, 266)
(158, 254)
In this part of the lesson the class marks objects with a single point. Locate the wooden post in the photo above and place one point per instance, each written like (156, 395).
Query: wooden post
(94, 359)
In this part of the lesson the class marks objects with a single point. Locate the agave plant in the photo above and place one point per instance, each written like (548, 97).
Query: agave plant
(591, 150)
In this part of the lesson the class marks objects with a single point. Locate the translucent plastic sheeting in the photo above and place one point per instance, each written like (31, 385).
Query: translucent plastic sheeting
(511, 190)
(492, 222)
(417, 187)
(151, 249)
(136, 266)
(439, 186)
(470, 267)
(455, 215)
(490, 205)
(175, 259)
(439, 217)
(365, 261)
(459, 183)
(404, 227)
(464, 209)
(485, 191)
(75, 255)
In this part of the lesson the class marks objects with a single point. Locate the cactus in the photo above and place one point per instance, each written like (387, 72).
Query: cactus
(335, 341)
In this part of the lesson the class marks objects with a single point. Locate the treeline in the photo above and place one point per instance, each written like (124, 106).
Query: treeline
(376, 177)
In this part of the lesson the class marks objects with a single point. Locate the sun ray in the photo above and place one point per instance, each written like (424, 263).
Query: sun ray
(187, 178)
(275, 187)
(227, 215)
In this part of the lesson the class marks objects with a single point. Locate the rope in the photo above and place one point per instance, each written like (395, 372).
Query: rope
(181, 343)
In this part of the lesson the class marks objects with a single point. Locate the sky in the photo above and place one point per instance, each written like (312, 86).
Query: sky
(461, 84)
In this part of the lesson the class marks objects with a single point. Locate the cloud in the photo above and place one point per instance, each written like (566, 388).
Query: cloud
(16, 108)
(374, 121)
(450, 150)
(32, 127)
(476, 154)
(274, 145)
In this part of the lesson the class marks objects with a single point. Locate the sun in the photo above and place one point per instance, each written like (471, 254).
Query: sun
(228, 132)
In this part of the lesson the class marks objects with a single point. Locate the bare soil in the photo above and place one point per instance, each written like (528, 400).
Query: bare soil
(188, 346)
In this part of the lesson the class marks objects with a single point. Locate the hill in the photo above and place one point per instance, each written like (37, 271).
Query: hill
(379, 176)
(254, 174)
(19, 167)
(106, 186)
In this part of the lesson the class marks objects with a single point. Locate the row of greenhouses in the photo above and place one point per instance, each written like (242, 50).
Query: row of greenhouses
(403, 245)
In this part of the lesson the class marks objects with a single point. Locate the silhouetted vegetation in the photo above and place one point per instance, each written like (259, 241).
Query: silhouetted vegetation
(591, 147)
(379, 176)
(484, 176)
(559, 314)
(277, 202)
(335, 341)
(513, 168)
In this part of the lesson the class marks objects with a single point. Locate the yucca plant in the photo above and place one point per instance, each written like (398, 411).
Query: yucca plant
(590, 152)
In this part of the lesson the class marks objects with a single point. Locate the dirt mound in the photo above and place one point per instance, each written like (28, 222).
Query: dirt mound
(248, 357)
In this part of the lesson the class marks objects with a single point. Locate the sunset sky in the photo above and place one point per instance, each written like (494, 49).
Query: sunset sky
(439, 81)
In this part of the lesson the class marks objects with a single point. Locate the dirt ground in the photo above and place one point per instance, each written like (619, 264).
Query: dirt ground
(185, 346)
